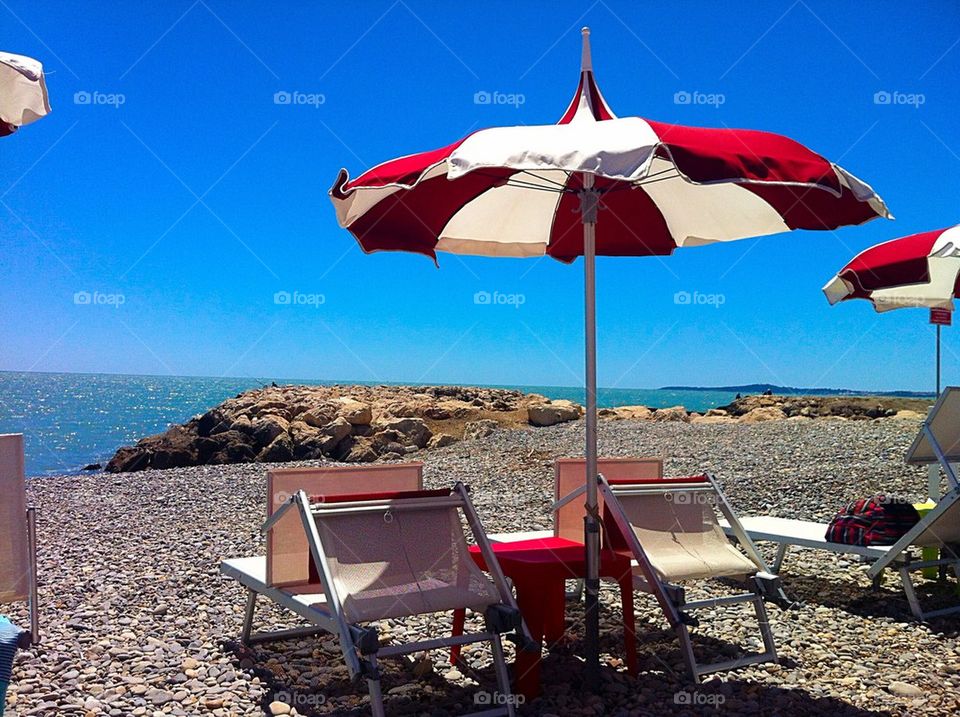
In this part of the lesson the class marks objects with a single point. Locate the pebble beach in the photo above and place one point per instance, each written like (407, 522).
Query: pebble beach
(137, 620)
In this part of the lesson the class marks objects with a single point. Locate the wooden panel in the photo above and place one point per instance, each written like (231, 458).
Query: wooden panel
(14, 548)
(571, 474)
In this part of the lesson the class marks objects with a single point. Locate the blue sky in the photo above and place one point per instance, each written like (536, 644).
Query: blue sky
(184, 191)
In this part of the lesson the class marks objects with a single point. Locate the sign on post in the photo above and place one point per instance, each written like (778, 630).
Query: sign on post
(941, 317)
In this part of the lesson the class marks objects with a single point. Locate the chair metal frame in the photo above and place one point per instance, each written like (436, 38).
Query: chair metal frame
(360, 645)
(672, 597)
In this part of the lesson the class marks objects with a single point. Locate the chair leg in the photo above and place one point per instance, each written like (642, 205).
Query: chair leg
(459, 619)
(910, 592)
(778, 560)
(769, 646)
(686, 647)
(248, 617)
(500, 668)
(373, 687)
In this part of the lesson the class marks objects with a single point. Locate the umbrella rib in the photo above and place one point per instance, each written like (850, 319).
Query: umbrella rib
(543, 179)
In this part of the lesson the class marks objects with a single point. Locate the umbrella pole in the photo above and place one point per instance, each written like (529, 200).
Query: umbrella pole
(938, 359)
(591, 524)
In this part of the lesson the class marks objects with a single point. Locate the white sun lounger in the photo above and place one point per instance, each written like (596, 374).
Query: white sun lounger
(937, 442)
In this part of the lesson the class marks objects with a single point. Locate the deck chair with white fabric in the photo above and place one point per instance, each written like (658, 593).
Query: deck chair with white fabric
(938, 441)
(670, 526)
(388, 555)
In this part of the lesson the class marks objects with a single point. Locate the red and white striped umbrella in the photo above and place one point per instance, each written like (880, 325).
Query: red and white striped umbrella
(918, 270)
(663, 186)
(525, 191)
(23, 92)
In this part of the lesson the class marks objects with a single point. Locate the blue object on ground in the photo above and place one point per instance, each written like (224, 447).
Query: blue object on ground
(9, 638)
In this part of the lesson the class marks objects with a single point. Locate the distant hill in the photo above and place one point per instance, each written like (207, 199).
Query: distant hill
(753, 388)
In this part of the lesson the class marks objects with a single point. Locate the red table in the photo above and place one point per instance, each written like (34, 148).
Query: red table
(538, 569)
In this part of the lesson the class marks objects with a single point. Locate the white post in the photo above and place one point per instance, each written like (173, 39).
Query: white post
(591, 527)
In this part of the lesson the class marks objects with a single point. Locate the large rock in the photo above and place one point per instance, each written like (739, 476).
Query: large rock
(474, 430)
(676, 414)
(550, 413)
(413, 431)
(334, 432)
(128, 459)
(281, 449)
(627, 413)
(356, 412)
(441, 440)
(268, 428)
(762, 414)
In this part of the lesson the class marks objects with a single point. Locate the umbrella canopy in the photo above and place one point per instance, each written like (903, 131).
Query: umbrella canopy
(918, 270)
(664, 186)
(23, 92)
(536, 190)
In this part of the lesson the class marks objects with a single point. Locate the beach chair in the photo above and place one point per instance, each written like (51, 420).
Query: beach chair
(383, 554)
(285, 569)
(670, 527)
(937, 441)
(18, 533)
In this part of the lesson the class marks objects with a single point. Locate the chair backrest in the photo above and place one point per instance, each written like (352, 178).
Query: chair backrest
(675, 521)
(288, 553)
(14, 546)
(400, 556)
(944, 422)
(570, 474)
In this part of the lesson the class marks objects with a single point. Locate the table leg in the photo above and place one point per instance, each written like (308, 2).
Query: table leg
(554, 606)
(459, 618)
(526, 668)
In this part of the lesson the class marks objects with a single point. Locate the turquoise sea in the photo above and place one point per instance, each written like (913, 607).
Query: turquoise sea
(71, 420)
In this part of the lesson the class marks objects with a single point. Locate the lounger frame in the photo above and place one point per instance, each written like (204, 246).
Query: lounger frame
(672, 598)
(359, 645)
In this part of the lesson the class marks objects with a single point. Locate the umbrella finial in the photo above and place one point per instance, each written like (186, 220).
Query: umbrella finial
(585, 63)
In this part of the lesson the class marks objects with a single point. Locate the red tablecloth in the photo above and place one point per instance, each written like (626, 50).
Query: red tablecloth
(538, 569)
